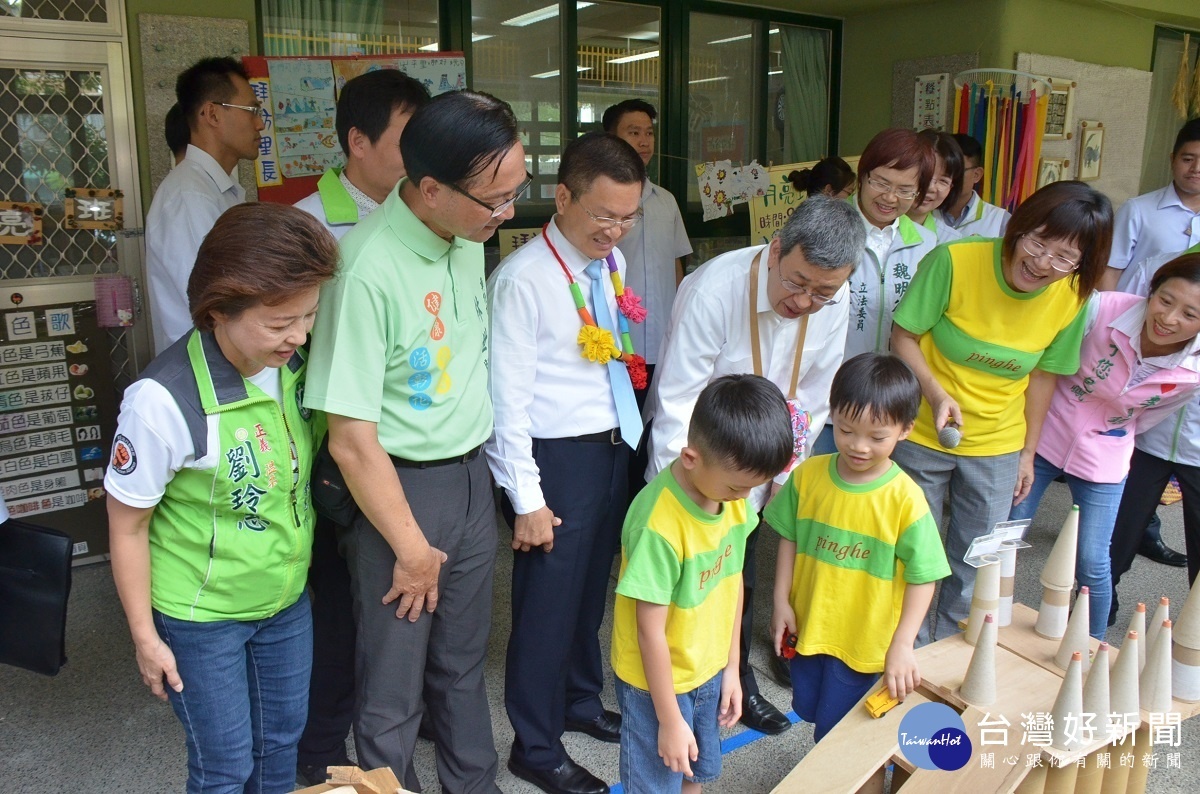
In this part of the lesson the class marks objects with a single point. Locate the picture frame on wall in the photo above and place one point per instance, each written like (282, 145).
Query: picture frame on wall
(1060, 111)
(1091, 149)
(1051, 169)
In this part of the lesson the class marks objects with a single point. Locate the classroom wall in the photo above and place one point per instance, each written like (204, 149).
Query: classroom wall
(221, 9)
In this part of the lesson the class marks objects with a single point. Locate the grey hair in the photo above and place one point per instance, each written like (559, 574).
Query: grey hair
(829, 231)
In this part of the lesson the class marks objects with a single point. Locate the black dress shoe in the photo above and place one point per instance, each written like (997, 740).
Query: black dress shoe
(570, 778)
(606, 727)
(316, 774)
(759, 714)
(1159, 552)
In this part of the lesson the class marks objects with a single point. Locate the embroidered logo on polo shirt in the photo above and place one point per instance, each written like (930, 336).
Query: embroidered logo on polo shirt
(124, 459)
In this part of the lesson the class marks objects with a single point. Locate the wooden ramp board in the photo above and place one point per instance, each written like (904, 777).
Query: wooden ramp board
(850, 753)
(974, 778)
(1020, 638)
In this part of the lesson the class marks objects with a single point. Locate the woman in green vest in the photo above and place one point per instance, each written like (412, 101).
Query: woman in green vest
(209, 508)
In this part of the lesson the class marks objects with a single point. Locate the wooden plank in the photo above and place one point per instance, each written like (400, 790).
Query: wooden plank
(1020, 638)
(973, 778)
(851, 752)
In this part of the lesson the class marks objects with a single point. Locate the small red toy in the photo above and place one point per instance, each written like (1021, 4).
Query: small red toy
(788, 649)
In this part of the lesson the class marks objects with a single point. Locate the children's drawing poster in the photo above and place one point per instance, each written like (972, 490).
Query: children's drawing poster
(302, 94)
(439, 75)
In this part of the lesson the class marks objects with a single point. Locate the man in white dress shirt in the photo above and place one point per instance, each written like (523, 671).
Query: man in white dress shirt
(564, 426)
(372, 111)
(970, 214)
(767, 297)
(1162, 221)
(224, 120)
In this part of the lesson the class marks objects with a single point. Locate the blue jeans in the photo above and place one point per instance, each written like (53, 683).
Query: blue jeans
(642, 769)
(244, 698)
(1098, 503)
(824, 689)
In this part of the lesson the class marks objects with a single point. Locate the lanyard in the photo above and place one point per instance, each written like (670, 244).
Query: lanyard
(755, 351)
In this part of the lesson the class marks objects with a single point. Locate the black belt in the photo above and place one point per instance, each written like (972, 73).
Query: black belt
(608, 436)
(466, 457)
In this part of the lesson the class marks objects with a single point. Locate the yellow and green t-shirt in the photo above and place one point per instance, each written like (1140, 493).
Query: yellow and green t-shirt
(677, 555)
(981, 340)
(857, 546)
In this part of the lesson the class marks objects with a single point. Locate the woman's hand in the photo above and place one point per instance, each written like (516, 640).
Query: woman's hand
(945, 410)
(1024, 477)
(156, 662)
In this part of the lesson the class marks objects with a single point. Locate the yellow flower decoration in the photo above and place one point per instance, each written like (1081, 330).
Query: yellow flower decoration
(597, 344)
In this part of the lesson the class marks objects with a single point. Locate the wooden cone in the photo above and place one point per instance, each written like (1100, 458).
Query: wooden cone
(1187, 625)
(1095, 691)
(986, 597)
(1123, 683)
(1161, 612)
(1068, 704)
(1185, 673)
(1137, 622)
(1154, 687)
(1076, 637)
(979, 686)
(1059, 572)
(1052, 615)
(1008, 577)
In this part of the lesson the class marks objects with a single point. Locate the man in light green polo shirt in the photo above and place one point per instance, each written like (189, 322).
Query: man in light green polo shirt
(399, 362)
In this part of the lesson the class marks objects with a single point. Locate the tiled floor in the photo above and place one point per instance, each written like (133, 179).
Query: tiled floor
(95, 728)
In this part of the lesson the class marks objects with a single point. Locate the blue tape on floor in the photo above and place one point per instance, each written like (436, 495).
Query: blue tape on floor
(735, 742)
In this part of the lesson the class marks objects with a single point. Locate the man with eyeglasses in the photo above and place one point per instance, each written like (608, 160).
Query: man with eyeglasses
(566, 425)
(780, 311)
(224, 122)
(971, 215)
(399, 364)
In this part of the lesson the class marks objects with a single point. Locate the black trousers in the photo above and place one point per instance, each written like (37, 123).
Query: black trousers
(331, 691)
(554, 672)
(1148, 475)
(749, 570)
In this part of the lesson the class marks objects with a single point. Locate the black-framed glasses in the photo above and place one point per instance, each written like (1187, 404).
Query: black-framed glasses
(1037, 250)
(499, 208)
(257, 110)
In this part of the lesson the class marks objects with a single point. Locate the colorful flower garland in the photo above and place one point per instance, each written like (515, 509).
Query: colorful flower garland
(598, 343)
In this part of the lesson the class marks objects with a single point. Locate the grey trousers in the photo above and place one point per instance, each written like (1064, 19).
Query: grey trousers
(979, 491)
(439, 658)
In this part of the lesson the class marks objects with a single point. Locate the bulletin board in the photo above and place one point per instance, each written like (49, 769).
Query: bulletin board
(769, 212)
(299, 141)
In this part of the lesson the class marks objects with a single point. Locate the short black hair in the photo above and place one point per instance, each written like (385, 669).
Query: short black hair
(612, 115)
(176, 131)
(880, 383)
(207, 80)
(1189, 132)
(368, 101)
(743, 422)
(832, 172)
(456, 136)
(971, 148)
(953, 163)
(597, 154)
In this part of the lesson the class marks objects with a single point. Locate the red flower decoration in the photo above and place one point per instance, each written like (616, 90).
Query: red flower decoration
(631, 306)
(637, 371)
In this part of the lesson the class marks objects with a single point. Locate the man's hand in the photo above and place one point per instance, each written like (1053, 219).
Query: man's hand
(415, 583)
(535, 529)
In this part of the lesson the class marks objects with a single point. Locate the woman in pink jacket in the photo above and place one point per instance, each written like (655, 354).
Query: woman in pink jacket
(1140, 360)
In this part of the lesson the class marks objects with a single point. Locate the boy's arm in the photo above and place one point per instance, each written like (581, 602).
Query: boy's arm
(731, 678)
(676, 742)
(783, 617)
(900, 671)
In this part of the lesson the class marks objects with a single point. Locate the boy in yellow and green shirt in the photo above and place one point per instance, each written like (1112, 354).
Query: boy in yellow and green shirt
(679, 598)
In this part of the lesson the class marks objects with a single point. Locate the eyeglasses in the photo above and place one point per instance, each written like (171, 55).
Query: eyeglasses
(885, 188)
(611, 223)
(796, 289)
(1037, 250)
(499, 209)
(257, 110)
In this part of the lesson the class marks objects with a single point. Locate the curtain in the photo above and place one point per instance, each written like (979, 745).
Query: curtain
(806, 91)
(1163, 122)
(322, 27)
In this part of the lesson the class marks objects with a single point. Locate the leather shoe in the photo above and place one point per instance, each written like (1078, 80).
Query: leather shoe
(781, 671)
(570, 778)
(606, 727)
(1160, 552)
(759, 714)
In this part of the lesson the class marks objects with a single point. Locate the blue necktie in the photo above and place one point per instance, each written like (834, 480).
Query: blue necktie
(618, 373)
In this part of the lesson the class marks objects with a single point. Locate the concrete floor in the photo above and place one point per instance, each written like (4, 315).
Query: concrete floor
(95, 728)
